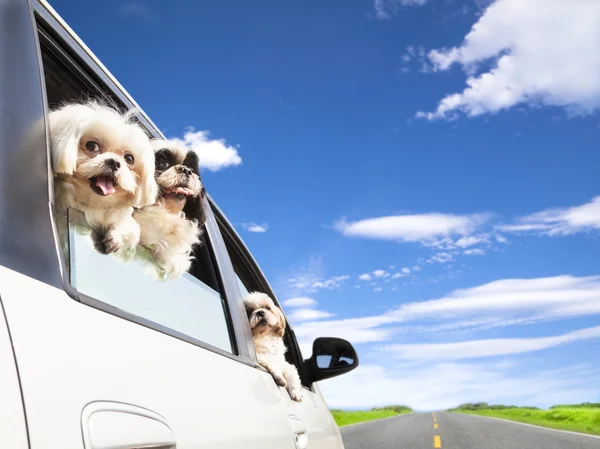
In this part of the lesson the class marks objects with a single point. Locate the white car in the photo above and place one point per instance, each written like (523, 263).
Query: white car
(101, 356)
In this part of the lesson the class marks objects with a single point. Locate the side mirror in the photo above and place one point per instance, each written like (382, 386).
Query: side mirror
(330, 357)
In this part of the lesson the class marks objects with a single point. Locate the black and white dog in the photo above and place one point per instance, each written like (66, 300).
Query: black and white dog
(174, 224)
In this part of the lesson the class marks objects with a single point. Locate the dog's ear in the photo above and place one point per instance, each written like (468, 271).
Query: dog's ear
(147, 187)
(67, 125)
(194, 208)
(280, 328)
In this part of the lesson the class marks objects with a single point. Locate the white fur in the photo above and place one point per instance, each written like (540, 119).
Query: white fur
(72, 166)
(169, 237)
(268, 342)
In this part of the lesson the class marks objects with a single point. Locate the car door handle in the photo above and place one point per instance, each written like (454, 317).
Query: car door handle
(112, 425)
(300, 435)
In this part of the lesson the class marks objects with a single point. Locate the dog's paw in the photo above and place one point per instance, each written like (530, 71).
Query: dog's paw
(295, 393)
(108, 243)
(279, 380)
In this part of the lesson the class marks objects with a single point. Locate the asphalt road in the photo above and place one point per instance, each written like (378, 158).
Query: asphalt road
(457, 431)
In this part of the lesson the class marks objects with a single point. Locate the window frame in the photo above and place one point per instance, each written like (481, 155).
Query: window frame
(238, 250)
(53, 32)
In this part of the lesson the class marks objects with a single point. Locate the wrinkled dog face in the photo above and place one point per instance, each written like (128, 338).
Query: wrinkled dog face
(264, 316)
(176, 173)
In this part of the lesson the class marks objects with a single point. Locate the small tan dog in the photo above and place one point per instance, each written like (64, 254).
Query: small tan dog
(268, 328)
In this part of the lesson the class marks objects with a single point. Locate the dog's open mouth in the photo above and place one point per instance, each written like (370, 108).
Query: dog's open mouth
(103, 185)
(178, 190)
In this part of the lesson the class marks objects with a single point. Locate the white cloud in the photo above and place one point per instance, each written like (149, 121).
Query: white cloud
(300, 301)
(214, 155)
(412, 54)
(536, 56)
(564, 221)
(437, 386)
(402, 273)
(365, 277)
(474, 252)
(558, 296)
(385, 9)
(423, 228)
(310, 278)
(355, 330)
(470, 240)
(487, 348)
(377, 289)
(253, 227)
(380, 273)
(501, 239)
(330, 283)
(299, 315)
(441, 258)
(498, 303)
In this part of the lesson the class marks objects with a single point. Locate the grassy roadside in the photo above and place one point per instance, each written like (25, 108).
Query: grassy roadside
(344, 418)
(584, 418)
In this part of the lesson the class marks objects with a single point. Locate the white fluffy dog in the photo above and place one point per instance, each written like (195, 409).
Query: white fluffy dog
(104, 166)
(268, 328)
(173, 225)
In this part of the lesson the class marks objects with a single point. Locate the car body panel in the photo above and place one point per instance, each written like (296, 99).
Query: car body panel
(12, 413)
(70, 355)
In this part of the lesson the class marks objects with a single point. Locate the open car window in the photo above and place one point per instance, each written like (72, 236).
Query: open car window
(186, 304)
(250, 279)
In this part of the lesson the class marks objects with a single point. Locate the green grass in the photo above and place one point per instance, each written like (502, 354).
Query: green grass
(584, 418)
(343, 418)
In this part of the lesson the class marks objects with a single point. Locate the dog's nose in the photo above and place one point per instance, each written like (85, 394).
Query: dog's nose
(260, 313)
(184, 170)
(113, 163)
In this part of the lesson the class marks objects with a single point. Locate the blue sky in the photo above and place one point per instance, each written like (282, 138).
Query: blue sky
(423, 174)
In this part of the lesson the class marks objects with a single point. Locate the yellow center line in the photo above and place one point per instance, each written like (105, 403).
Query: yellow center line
(437, 442)
(435, 426)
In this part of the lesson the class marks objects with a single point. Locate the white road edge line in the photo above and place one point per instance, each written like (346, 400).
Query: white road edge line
(531, 425)
(375, 420)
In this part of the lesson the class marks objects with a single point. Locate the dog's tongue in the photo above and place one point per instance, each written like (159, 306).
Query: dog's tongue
(183, 191)
(105, 184)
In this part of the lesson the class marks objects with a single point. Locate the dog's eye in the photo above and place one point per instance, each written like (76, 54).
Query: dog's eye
(92, 146)
(162, 164)
(268, 307)
(129, 159)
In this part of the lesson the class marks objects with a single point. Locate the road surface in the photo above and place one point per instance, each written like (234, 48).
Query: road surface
(457, 431)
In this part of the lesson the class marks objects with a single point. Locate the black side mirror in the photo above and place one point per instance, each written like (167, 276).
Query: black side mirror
(330, 357)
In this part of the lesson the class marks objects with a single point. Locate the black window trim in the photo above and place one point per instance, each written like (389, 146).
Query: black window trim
(254, 272)
(50, 26)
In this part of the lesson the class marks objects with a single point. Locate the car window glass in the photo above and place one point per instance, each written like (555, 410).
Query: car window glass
(243, 290)
(185, 304)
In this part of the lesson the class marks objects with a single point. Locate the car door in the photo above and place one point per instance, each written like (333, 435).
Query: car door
(12, 414)
(128, 368)
(21, 105)
(108, 357)
(311, 415)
